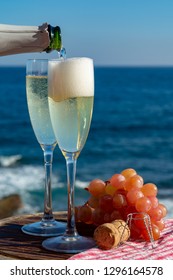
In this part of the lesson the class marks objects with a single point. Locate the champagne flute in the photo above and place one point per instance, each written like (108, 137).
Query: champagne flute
(71, 94)
(37, 100)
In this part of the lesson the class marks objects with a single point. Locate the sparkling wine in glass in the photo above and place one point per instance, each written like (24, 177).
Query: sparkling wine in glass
(71, 94)
(37, 100)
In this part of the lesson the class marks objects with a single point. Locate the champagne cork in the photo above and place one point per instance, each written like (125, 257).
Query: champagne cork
(107, 236)
(123, 229)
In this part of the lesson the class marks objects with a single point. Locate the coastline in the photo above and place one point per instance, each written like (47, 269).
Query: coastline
(9, 205)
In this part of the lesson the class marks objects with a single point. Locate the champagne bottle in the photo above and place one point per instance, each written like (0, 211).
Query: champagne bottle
(15, 39)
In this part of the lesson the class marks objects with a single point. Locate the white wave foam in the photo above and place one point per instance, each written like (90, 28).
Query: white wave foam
(22, 179)
(81, 184)
(28, 178)
(6, 161)
(28, 182)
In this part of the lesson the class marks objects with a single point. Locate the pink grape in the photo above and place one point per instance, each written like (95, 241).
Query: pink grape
(133, 195)
(96, 187)
(143, 204)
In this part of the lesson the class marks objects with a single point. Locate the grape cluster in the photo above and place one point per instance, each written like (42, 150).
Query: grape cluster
(119, 196)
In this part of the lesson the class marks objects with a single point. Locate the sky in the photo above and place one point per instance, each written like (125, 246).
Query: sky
(112, 32)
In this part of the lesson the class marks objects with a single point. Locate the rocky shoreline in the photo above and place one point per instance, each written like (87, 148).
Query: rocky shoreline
(9, 205)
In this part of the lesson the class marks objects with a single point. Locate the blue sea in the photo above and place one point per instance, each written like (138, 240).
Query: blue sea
(132, 126)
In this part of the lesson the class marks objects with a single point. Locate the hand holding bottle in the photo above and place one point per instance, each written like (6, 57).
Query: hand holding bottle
(17, 39)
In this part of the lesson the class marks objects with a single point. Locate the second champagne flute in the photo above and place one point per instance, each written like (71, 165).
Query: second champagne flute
(37, 100)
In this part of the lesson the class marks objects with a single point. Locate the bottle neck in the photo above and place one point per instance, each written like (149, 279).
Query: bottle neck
(55, 38)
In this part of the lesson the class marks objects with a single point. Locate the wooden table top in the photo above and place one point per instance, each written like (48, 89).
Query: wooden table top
(14, 244)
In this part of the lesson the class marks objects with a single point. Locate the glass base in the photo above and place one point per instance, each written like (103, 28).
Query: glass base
(51, 228)
(71, 245)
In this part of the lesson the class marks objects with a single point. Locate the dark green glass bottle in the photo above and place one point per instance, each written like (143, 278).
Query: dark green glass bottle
(55, 38)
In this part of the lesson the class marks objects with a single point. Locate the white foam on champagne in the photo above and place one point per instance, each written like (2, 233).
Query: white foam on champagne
(71, 78)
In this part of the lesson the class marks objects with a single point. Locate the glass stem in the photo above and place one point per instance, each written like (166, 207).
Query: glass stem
(71, 174)
(48, 159)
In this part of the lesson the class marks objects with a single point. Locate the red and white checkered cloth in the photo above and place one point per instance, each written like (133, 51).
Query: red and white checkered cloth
(162, 249)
